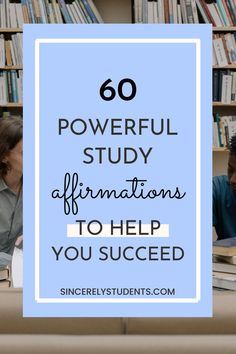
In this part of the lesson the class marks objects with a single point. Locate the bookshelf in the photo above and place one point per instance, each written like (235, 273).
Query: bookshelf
(10, 71)
(220, 154)
(122, 11)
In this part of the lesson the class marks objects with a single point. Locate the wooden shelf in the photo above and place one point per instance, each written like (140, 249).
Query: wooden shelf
(220, 149)
(12, 105)
(16, 67)
(10, 30)
(224, 29)
(230, 66)
(220, 104)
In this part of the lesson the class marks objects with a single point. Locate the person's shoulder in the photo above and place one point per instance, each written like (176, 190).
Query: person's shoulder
(220, 180)
(220, 185)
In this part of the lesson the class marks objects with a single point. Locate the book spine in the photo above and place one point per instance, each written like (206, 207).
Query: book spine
(43, 11)
(84, 11)
(230, 19)
(215, 86)
(95, 11)
(183, 11)
(175, 11)
(213, 10)
(219, 52)
(217, 116)
(89, 11)
(194, 11)
(9, 86)
(232, 10)
(231, 47)
(161, 11)
(2, 52)
(189, 11)
(64, 11)
(222, 12)
(226, 89)
(166, 11)
(202, 12)
(84, 19)
(145, 11)
(207, 12)
(30, 10)
(220, 80)
(233, 95)
(14, 86)
(149, 13)
(78, 11)
(155, 12)
(171, 15)
(225, 49)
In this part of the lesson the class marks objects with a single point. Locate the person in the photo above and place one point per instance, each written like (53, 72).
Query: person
(11, 177)
(224, 198)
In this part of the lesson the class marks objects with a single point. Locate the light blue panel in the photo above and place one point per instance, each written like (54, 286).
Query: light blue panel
(71, 75)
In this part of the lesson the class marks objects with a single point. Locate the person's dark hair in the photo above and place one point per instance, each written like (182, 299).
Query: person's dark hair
(232, 146)
(11, 132)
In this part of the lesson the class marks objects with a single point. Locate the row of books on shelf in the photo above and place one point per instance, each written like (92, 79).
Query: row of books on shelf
(224, 127)
(14, 14)
(11, 50)
(224, 86)
(219, 12)
(11, 86)
(224, 264)
(224, 49)
(165, 11)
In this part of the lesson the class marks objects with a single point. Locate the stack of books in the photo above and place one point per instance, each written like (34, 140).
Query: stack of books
(5, 281)
(224, 264)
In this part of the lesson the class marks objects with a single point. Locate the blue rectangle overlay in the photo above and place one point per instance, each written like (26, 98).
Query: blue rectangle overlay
(117, 170)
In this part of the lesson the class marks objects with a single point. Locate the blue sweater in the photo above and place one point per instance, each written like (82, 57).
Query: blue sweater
(224, 208)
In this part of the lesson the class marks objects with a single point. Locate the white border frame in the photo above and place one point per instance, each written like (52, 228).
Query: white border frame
(195, 41)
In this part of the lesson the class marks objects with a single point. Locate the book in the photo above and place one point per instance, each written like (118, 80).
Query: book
(224, 280)
(90, 12)
(224, 267)
(231, 47)
(194, 11)
(189, 11)
(161, 11)
(216, 75)
(5, 283)
(223, 12)
(207, 12)
(217, 120)
(226, 89)
(228, 13)
(4, 273)
(95, 11)
(2, 52)
(215, 15)
(225, 259)
(225, 247)
(202, 12)
(220, 52)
